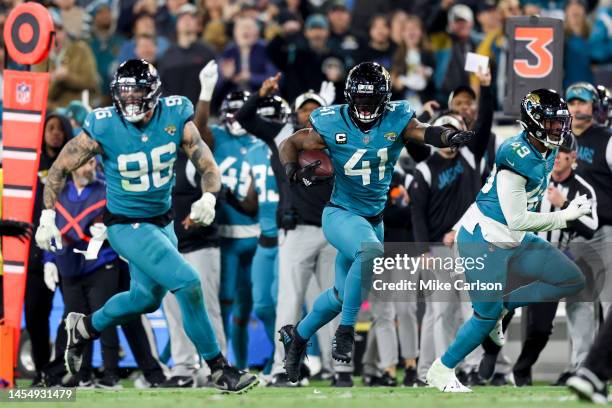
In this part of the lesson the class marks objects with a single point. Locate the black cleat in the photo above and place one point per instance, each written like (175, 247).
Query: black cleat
(588, 386)
(473, 379)
(410, 377)
(342, 344)
(387, 380)
(178, 381)
(562, 380)
(522, 380)
(295, 351)
(342, 380)
(110, 381)
(76, 342)
(231, 380)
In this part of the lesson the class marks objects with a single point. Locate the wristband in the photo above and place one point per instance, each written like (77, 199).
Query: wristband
(290, 170)
(437, 136)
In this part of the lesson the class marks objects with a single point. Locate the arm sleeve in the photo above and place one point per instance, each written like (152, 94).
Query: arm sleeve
(254, 124)
(484, 122)
(513, 201)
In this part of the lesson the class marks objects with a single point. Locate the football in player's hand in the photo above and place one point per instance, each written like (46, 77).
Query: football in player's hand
(325, 169)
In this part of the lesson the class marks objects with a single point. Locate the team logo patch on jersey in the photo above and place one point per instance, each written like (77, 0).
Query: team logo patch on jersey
(391, 136)
(341, 138)
(171, 130)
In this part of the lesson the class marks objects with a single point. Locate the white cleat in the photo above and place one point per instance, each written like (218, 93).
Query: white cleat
(444, 379)
(497, 335)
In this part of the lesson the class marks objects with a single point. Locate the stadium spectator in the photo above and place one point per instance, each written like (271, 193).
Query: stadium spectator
(144, 25)
(180, 65)
(76, 19)
(146, 48)
(72, 67)
(105, 44)
(488, 17)
(397, 20)
(302, 64)
(363, 10)
(600, 41)
(379, 47)
(341, 40)
(38, 298)
(413, 66)
(577, 62)
(244, 64)
(451, 49)
(214, 30)
(130, 10)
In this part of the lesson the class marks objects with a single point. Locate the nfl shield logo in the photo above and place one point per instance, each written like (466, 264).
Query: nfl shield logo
(24, 93)
(366, 139)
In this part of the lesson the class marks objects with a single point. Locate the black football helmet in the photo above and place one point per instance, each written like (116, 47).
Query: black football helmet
(367, 91)
(273, 108)
(544, 115)
(135, 89)
(230, 105)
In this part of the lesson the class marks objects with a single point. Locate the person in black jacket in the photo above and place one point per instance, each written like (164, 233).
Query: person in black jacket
(303, 251)
(443, 188)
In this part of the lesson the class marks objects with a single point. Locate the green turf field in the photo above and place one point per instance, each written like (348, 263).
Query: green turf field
(321, 396)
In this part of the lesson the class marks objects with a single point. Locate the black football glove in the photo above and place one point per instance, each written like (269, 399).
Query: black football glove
(18, 229)
(304, 175)
(457, 138)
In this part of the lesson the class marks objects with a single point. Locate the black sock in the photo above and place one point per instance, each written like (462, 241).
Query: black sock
(217, 362)
(343, 328)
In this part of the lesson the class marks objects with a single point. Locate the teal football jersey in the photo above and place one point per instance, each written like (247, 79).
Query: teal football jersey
(139, 160)
(520, 156)
(363, 162)
(257, 162)
(229, 152)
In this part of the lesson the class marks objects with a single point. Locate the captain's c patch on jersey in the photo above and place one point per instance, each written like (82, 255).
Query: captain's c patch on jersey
(341, 138)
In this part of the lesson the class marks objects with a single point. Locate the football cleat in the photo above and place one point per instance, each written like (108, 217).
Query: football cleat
(342, 343)
(444, 378)
(295, 351)
(231, 380)
(77, 339)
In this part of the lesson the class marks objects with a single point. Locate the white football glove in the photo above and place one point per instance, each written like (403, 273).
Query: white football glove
(578, 207)
(98, 230)
(208, 79)
(203, 210)
(51, 275)
(47, 232)
(328, 91)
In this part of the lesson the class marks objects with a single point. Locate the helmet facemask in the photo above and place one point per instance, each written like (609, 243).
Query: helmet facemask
(134, 100)
(553, 129)
(367, 107)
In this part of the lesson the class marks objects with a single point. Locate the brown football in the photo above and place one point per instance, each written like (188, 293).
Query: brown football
(308, 156)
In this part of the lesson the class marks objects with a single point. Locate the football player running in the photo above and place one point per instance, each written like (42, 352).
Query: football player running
(498, 229)
(364, 138)
(137, 139)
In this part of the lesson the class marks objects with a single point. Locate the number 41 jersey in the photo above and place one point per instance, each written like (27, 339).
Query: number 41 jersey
(363, 162)
(139, 159)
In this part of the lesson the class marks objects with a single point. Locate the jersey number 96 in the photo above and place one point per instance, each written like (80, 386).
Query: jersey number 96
(135, 172)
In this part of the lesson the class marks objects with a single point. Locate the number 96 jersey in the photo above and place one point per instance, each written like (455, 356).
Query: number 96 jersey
(363, 162)
(139, 159)
(518, 155)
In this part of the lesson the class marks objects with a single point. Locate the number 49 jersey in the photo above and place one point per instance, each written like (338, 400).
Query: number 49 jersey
(520, 156)
(363, 162)
(139, 160)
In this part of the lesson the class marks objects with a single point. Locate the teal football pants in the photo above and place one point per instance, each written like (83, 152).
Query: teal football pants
(156, 267)
(553, 275)
(358, 242)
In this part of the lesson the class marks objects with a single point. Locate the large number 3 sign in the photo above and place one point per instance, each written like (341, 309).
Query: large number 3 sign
(539, 38)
